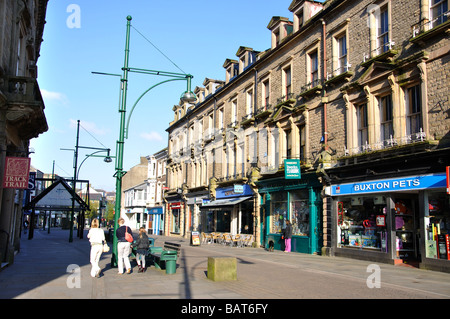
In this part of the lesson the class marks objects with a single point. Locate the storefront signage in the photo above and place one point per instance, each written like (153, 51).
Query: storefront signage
(292, 169)
(448, 179)
(226, 192)
(391, 185)
(155, 210)
(238, 188)
(176, 205)
(17, 170)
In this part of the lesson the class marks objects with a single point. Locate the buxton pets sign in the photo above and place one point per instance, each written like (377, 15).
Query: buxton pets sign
(391, 185)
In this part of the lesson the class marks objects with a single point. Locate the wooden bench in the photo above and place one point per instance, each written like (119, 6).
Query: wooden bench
(166, 256)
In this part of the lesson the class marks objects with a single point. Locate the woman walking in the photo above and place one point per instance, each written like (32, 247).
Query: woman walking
(123, 247)
(142, 245)
(96, 237)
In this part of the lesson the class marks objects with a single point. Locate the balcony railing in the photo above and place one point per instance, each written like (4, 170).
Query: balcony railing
(428, 25)
(386, 144)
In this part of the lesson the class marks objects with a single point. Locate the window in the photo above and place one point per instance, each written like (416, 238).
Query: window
(288, 143)
(386, 124)
(342, 54)
(383, 31)
(438, 8)
(287, 82)
(249, 103)
(278, 212)
(266, 93)
(299, 213)
(220, 124)
(413, 110)
(362, 222)
(314, 68)
(363, 134)
(234, 112)
(302, 139)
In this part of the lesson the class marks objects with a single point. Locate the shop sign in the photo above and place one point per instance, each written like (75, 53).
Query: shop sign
(292, 169)
(226, 192)
(17, 171)
(391, 185)
(176, 205)
(238, 188)
(155, 210)
(448, 179)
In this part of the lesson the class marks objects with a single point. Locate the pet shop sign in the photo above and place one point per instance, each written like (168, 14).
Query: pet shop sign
(391, 185)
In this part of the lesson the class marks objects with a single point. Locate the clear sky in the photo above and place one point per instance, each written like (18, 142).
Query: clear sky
(197, 35)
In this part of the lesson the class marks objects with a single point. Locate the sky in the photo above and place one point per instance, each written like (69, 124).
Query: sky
(80, 37)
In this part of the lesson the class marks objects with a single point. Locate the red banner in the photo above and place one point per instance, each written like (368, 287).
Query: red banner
(17, 170)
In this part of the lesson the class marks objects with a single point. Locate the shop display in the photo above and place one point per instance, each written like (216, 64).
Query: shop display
(300, 218)
(437, 225)
(405, 228)
(361, 222)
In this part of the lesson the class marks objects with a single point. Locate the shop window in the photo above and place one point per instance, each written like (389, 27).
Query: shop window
(176, 221)
(362, 222)
(278, 212)
(299, 214)
(437, 225)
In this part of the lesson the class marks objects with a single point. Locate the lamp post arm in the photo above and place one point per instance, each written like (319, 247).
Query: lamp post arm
(142, 95)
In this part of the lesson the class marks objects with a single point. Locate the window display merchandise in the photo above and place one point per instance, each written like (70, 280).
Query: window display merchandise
(362, 222)
(437, 225)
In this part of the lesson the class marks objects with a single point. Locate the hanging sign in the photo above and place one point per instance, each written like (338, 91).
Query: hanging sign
(17, 170)
(292, 169)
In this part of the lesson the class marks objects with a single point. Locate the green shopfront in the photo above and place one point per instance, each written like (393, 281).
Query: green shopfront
(296, 200)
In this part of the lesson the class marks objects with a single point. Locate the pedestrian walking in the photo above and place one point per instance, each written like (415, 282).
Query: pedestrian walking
(123, 247)
(287, 237)
(96, 237)
(142, 244)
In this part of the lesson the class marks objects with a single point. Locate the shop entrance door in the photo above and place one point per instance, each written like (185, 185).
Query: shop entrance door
(406, 223)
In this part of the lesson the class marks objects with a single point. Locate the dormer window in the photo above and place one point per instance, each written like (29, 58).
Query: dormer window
(281, 27)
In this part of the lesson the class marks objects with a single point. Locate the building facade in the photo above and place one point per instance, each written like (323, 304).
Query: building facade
(358, 95)
(21, 105)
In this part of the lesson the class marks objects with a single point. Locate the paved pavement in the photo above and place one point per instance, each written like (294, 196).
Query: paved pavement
(42, 270)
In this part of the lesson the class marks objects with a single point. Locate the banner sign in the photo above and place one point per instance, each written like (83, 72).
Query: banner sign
(292, 169)
(17, 170)
(391, 185)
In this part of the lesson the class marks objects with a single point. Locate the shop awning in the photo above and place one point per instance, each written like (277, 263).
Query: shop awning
(215, 204)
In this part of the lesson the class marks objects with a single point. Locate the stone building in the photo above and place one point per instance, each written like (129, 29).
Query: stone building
(354, 93)
(21, 105)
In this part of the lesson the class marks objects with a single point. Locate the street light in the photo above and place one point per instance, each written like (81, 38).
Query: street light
(76, 170)
(188, 96)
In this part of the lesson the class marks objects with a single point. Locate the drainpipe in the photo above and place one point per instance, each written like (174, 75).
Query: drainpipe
(324, 76)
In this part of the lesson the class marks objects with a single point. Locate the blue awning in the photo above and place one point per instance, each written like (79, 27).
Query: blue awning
(225, 202)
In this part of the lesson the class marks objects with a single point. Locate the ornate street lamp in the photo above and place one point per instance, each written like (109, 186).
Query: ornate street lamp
(188, 96)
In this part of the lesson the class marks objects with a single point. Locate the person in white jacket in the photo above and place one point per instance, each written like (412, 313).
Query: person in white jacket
(96, 237)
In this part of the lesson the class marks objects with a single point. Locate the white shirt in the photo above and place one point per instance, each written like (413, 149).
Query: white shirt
(96, 235)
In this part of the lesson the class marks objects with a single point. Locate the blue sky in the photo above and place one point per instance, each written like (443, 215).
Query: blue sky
(197, 35)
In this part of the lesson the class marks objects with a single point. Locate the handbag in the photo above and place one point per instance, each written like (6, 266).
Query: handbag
(105, 248)
(128, 236)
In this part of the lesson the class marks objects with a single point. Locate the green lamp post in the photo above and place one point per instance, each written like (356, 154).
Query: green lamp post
(188, 96)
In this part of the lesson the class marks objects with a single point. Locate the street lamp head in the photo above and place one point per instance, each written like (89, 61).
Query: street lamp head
(188, 97)
(107, 159)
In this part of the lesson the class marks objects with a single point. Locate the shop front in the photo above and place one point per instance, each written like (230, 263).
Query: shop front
(299, 202)
(231, 211)
(155, 221)
(395, 220)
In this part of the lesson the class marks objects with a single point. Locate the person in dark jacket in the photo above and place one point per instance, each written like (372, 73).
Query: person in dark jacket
(287, 237)
(141, 244)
